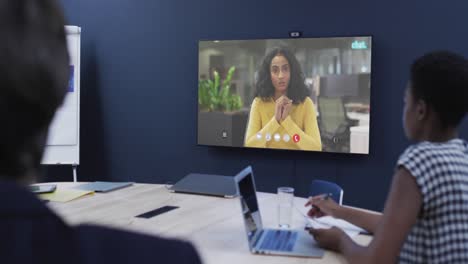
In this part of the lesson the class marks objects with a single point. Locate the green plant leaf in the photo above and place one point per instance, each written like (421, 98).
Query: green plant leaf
(215, 95)
(203, 96)
(216, 82)
(229, 75)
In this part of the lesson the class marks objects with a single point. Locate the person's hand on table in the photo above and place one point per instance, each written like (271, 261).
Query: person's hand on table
(328, 238)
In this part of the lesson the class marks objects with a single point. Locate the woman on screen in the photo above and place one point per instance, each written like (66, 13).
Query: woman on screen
(282, 114)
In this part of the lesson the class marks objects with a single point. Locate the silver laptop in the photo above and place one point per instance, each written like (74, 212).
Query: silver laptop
(261, 240)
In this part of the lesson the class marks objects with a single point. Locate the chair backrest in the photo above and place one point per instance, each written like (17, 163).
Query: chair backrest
(331, 112)
(319, 187)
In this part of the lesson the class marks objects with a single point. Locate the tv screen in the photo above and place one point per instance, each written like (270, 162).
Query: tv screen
(309, 94)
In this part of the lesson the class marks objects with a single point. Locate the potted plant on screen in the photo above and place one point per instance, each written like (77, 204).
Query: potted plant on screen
(220, 119)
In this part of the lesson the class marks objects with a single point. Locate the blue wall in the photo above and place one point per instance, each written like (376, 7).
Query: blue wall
(139, 86)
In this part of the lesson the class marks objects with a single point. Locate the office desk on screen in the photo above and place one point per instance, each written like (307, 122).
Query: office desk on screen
(359, 139)
(362, 117)
(214, 225)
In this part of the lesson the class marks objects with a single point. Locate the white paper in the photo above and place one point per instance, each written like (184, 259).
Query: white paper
(328, 222)
(331, 221)
(63, 142)
(319, 225)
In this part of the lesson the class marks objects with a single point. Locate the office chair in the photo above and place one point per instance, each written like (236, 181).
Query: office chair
(319, 187)
(334, 124)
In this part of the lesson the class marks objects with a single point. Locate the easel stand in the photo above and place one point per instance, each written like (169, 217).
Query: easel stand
(75, 174)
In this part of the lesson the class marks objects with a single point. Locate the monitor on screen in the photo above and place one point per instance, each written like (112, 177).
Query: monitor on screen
(308, 94)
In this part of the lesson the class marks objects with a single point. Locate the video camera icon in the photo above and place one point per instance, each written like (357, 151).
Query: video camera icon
(277, 137)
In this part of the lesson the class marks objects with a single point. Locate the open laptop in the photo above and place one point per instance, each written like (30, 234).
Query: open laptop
(261, 240)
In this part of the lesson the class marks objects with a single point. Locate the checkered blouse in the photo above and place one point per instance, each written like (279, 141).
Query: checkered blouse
(441, 232)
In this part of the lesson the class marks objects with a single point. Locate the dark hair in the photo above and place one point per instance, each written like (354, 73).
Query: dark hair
(34, 73)
(297, 90)
(440, 78)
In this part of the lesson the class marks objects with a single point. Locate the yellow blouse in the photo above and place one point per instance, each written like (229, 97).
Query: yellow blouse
(298, 131)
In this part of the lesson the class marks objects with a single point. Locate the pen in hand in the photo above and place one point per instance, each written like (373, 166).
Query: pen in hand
(324, 197)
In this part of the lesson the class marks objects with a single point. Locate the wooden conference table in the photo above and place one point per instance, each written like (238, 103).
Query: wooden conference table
(214, 225)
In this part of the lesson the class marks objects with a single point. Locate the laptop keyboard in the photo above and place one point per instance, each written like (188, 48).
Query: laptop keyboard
(279, 240)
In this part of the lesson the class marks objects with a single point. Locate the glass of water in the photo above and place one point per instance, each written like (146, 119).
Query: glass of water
(285, 206)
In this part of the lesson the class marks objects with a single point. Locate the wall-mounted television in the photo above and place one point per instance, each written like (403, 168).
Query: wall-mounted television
(309, 94)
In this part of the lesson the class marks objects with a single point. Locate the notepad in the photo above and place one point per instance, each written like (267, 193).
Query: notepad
(64, 195)
(328, 222)
(99, 186)
(345, 225)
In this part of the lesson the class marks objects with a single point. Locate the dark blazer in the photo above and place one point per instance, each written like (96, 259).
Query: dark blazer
(31, 233)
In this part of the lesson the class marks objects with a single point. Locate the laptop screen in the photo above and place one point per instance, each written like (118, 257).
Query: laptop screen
(250, 212)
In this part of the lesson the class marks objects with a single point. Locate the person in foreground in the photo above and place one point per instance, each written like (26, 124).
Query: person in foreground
(282, 114)
(425, 219)
(34, 71)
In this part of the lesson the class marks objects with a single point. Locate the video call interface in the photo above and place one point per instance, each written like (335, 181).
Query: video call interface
(307, 94)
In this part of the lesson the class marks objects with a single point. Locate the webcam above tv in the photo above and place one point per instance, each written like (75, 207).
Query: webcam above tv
(309, 94)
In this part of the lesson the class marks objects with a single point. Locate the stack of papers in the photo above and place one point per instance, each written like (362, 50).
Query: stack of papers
(64, 195)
